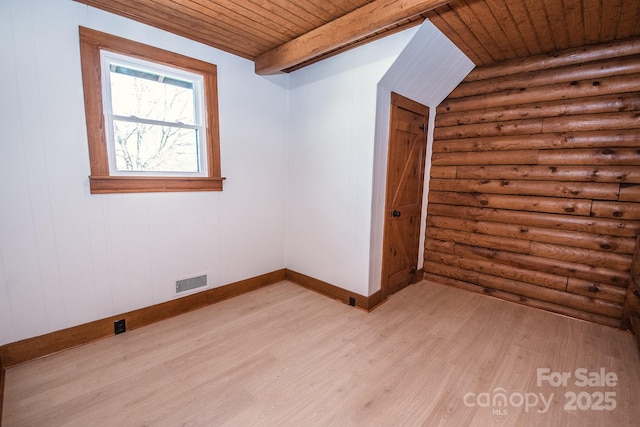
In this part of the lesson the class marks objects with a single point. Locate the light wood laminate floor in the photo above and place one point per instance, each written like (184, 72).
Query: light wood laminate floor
(285, 356)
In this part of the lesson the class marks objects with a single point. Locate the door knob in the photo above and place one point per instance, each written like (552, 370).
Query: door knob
(396, 214)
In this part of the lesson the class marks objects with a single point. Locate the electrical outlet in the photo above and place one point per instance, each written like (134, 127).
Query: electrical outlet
(119, 326)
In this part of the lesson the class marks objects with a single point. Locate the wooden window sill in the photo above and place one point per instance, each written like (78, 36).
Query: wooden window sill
(127, 184)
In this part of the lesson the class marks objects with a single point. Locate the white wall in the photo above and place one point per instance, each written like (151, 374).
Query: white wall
(68, 257)
(331, 134)
(297, 151)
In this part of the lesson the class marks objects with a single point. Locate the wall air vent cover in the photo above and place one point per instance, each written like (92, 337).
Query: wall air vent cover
(191, 283)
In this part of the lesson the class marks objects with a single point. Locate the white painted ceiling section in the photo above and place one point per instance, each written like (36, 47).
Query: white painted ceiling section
(426, 71)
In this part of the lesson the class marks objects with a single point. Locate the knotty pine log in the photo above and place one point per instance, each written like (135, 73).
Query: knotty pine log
(443, 171)
(525, 203)
(592, 122)
(618, 210)
(476, 266)
(515, 157)
(582, 256)
(580, 302)
(593, 289)
(561, 267)
(437, 245)
(563, 107)
(580, 190)
(583, 54)
(479, 130)
(558, 140)
(505, 243)
(578, 173)
(578, 123)
(631, 316)
(501, 277)
(572, 72)
(520, 299)
(600, 242)
(629, 193)
(603, 267)
(603, 226)
(573, 90)
(448, 270)
(591, 156)
(556, 158)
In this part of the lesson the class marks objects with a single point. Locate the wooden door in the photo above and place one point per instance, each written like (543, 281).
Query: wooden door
(405, 179)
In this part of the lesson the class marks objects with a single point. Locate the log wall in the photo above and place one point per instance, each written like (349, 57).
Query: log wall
(631, 318)
(534, 194)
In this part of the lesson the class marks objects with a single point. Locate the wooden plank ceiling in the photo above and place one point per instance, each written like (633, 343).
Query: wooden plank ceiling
(487, 31)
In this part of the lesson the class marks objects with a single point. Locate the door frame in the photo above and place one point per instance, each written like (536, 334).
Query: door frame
(399, 101)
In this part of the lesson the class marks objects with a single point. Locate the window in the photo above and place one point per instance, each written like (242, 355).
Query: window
(152, 117)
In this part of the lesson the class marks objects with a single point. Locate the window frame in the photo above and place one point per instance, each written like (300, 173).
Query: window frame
(108, 59)
(100, 180)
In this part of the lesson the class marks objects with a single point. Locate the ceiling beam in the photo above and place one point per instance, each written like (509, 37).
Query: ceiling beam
(353, 26)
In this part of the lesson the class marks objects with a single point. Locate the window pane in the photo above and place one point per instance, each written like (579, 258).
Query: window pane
(152, 148)
(150, 95)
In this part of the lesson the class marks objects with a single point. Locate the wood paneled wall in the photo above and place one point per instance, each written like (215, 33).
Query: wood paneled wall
(535, 182)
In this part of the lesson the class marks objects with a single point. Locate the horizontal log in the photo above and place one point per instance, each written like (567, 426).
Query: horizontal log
(577, 123)
(519, 203)
(515, 157)
(450, 271)
(635, 264)
(555, 266)
(590, 156)
(577, 239)
(570, 90)
(592, 305)
(573, 140)
(581, 190)
(470, 267)
(582, 256)
(630, 192)
(563, 107)
(618, 210)
(519, 299)
(477, 130)
(443, 171)
(582, 54)
(592, 289)
(592, 122)
(568, 73)
(445, 246)
(606, 226)
(584, 173)
(514, 245)
(445, 280)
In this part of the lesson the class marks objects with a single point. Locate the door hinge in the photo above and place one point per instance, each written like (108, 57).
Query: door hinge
(423, 128)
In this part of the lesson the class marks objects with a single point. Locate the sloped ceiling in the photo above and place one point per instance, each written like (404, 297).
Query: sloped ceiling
(428, 68)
